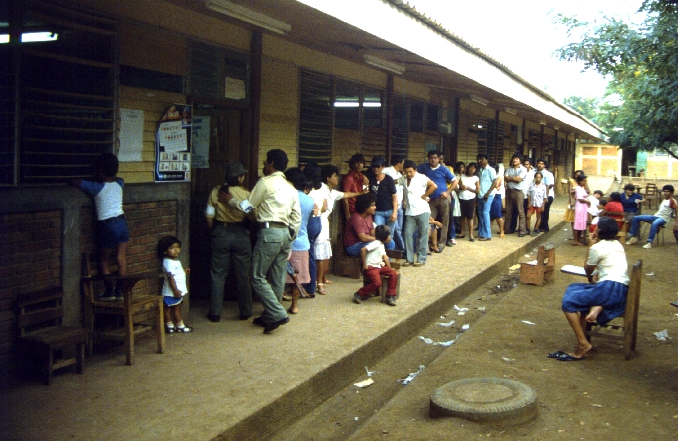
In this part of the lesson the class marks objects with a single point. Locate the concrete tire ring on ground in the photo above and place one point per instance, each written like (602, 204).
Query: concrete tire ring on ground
(485, 400)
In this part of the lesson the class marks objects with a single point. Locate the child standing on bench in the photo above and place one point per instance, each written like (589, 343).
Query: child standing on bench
(174, 286)
(375, 264)
(112, 233)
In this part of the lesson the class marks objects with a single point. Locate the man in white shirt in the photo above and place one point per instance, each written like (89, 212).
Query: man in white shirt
(515, 181)
(417, 189)
(395, 171)
(549, 181)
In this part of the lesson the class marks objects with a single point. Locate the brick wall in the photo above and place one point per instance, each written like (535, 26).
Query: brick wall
(30, 260)
(147, 222)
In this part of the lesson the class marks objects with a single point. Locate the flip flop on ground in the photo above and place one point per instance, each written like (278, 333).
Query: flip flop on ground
(563, 356)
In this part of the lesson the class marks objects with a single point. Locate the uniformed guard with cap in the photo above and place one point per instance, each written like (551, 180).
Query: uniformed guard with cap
(230, 240)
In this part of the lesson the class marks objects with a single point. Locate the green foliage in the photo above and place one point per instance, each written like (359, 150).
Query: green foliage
(642, 62)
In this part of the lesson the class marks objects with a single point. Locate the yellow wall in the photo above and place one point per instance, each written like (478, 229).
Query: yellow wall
(153, 103)
(598, 159)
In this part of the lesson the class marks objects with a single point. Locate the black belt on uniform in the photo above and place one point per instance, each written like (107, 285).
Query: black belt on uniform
(272, 224)
(227, 224)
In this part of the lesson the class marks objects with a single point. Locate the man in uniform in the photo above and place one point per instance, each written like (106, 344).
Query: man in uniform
(230, 239)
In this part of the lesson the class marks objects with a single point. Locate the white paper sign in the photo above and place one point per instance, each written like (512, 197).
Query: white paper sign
(201, 142)
(131, 135)
(173, 137)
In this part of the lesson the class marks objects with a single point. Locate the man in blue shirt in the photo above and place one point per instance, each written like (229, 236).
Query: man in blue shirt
(630, 200)
(439, 201)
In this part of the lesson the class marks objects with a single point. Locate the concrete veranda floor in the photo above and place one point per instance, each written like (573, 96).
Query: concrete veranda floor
(229, 379)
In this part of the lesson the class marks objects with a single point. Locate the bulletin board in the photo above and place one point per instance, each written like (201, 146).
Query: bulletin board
(173, 144)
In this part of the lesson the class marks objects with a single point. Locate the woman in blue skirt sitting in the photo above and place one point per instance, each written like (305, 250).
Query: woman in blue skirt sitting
(604, 297)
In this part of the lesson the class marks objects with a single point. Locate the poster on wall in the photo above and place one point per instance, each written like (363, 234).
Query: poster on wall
(131, 135)
(201, 142)
(173, 144)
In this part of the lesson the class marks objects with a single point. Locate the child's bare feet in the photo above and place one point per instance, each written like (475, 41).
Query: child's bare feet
(293, 310)
(327, 281)
(593, 313)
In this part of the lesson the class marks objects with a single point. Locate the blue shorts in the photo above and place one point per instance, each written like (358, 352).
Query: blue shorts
(172, 301)
(112, 231)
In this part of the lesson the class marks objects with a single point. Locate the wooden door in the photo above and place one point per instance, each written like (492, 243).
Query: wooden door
(228, 142)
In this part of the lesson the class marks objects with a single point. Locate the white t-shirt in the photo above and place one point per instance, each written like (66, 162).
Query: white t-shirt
(375, 254)
(417, 188)
(173, 267)
(396, 175)
(529, 179)
(471, 182)
(610, 260)
(593, 208)
(331, 196)
(538, 193)
(548, 180)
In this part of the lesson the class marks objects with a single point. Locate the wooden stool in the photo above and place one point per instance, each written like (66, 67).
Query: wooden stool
(539, 271)
(394, 257)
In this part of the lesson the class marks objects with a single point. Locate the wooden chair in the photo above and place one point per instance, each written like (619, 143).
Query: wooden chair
(652, 193)
(629, 321)
(343, 264)
(136, 311)
(42, 336)
(621, 223)
(541, 270)
(394, 256)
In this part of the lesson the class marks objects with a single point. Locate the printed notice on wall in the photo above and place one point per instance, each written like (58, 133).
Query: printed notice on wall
(173, 144)
(201, 142)
(131, 135)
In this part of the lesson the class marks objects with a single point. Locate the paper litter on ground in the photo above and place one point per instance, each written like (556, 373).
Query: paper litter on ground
(465, 327)
(447, 324)
(428, 341)
(412, 375)
(514, 267)
(365, 383)
(662, 335)
(460, 309)
(369, 372)
(528, 322)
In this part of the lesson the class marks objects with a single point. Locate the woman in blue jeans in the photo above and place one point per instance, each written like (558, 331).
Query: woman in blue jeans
(661, 217)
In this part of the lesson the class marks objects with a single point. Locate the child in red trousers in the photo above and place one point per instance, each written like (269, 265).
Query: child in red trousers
(375, 264)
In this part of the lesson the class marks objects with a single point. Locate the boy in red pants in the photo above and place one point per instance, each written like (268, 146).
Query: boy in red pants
(375, 263)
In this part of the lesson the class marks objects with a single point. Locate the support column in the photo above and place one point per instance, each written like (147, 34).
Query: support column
(256, 52)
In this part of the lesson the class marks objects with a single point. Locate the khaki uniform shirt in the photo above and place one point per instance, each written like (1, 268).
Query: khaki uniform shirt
(276, 200)
(224, 212)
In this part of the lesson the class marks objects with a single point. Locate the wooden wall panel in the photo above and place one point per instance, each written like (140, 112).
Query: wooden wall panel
(279, 109)
(149, 48)
(153, 103)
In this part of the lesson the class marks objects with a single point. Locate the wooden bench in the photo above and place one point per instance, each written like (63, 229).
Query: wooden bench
(629, 321)
(43, 338)
(541, 270)
(137, 311)
(343, 264)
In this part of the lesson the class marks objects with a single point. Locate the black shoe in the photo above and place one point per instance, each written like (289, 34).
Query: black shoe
(511, 232)
(244, 316)
(521, 235)
(214, 318)
(275, 325)
(259, 322)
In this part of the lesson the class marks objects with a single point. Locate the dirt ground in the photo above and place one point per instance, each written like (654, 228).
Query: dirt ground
(601, 397)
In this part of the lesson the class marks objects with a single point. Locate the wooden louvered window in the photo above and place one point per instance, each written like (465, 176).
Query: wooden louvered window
(400, 132)
(495, 140)
(57, 98)
(217, 73)
(315, 118)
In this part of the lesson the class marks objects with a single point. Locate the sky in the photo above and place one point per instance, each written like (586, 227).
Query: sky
(522, 35)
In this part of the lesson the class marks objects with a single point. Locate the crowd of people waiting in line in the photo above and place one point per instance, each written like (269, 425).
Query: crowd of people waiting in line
(418, 209)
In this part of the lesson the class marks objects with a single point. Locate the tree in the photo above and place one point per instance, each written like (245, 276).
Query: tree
(642, 62)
